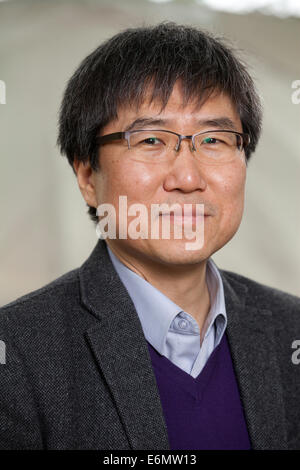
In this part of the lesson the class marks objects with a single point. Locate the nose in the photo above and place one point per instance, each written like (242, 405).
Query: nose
(181, 138)
(185, 173)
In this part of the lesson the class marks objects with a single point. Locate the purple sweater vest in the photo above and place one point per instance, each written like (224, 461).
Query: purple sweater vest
(205, 412)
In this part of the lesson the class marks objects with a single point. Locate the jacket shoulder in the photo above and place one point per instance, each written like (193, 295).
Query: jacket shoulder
(264, 296)
(45, 298)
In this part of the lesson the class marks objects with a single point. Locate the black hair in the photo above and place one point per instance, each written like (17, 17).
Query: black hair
(121, 69)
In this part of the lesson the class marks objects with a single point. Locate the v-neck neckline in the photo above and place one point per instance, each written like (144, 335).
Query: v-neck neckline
(193, 386)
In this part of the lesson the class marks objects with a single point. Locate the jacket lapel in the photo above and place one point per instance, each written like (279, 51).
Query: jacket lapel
(252, 343)
(121, 351)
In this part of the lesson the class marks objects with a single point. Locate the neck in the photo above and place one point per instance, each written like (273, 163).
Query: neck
(186, 285)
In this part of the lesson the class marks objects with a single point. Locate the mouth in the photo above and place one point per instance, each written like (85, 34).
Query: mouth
(186, 213)
(190, 219)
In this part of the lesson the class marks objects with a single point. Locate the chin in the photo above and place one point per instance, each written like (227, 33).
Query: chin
(175, 252)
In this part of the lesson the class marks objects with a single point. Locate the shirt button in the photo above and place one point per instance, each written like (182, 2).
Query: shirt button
(183, 324)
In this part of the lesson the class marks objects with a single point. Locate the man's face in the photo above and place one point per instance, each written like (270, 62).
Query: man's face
(184, 179)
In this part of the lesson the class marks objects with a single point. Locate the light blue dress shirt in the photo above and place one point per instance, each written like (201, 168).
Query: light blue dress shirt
(173, 332)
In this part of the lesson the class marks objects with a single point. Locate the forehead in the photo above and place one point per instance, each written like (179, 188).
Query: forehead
(178, 112)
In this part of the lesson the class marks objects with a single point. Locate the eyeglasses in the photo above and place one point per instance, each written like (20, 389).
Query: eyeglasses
(153, 145)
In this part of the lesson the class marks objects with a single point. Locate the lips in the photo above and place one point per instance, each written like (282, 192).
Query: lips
(187, 211)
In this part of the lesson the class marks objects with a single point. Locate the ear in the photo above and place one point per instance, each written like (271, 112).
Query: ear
(85, 179)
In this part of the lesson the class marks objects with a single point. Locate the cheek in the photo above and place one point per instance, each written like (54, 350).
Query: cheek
(231, 193)
(133, 179)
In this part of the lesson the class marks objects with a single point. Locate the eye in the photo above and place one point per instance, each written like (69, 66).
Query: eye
(211, 140)
(151, 141)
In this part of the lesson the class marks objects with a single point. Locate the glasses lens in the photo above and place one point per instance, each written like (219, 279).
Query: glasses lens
(152, 145)
(218, 146)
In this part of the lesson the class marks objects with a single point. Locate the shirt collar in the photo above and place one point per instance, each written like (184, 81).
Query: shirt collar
(217, 313)
(156, 311)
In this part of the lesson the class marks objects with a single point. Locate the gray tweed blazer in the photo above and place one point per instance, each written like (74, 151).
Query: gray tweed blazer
(78, 374)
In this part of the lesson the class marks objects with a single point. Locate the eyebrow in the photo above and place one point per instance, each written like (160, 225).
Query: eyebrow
(145, 122)
(220, 122)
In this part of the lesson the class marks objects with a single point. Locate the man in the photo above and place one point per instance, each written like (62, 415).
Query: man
(148, 345)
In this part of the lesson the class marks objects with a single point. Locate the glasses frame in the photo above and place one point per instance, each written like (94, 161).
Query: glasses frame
(100, 140)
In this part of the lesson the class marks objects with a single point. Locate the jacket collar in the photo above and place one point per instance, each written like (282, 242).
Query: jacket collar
(121, 352)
